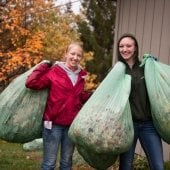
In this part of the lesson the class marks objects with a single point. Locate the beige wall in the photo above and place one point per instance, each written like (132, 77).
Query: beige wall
(149, 21)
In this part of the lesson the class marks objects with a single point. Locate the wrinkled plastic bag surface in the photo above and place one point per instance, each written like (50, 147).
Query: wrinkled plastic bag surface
(21, 111)
(157, 76)
(104, 124)
(100, 161)
(35, 145)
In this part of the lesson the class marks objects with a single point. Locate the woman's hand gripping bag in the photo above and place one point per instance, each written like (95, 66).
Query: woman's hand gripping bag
(157, 77)
(21, 111)
(103, 128)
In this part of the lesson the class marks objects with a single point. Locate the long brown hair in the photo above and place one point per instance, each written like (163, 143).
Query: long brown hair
(128, 35)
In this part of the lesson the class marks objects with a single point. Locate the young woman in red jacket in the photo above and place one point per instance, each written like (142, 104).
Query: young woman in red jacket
(65, 81)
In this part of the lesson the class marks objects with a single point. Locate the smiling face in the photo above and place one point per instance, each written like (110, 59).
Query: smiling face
(127, 50)
(73, 56)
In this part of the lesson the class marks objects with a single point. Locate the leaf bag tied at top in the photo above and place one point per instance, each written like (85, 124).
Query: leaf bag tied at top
(157, 76)
(103, 128)
(21, 111)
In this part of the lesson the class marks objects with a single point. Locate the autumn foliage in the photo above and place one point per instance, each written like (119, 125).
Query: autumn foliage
(31, 31)
(20, 47)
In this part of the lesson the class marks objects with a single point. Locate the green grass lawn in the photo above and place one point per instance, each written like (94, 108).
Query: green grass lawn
(13, 157)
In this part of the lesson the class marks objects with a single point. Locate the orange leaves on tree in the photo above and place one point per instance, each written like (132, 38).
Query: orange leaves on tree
(46, 37)
(90, 80)
(34, 43)
(91, 83)
(20, 46)
(58, 34)
(21, 58)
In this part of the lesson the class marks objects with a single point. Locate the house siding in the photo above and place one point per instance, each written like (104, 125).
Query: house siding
(149, 21)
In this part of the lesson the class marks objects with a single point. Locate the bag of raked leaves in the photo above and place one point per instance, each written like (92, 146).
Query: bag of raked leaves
(21, 111)
(157, 77)
(103, 128)
(35, 145)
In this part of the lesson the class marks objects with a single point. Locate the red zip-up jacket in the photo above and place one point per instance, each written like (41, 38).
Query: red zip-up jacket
(64, 100)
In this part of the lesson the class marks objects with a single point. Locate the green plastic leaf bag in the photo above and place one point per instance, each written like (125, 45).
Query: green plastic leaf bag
(104, 124)
(100, 161)
(35, 145)
(21, 111)
(157, 76)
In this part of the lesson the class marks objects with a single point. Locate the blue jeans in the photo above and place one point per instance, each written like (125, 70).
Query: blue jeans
(52, 139)
(151, 144)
